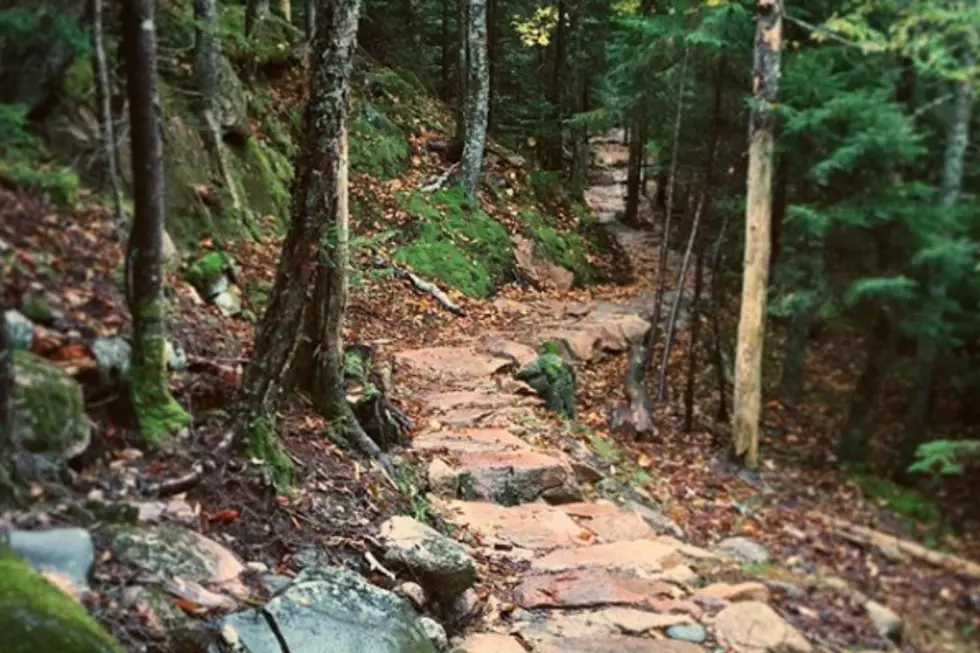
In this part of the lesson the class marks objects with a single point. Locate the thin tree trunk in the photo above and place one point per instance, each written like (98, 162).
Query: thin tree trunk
(692, 352)
(255, 12)
(794, 367)
(717, 356)
(553, 153)
(159, 415)
(462, 67)
(310, 20)
(780, 202)
(917, 419)
(676, 307)
(103, 99)
(9, 486)
(637, 143)
(305, 314)
(854, 445)
(493, 54)
(446, 53)
(477, 98)
(286, 10)
(758, 216)
(658, 299)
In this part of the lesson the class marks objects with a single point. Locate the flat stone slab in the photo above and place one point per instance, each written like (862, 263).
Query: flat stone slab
(604, 622)
(589, 588)
(532, 526)
(617, 644)
(519, 352)
(511, 477)
(450, 363)
(611, 332)
(636, 555)
(608, 522)
(754, 627)
(489, 643)
(459, 441)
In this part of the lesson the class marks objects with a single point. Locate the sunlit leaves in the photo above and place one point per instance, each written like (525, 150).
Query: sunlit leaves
(536, 30)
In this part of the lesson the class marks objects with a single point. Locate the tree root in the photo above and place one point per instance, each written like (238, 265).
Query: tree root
(432, 289)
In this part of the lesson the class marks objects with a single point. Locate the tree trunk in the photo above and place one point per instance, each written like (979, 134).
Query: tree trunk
(675, 308)
(255, 11)
(158, 413)
(917, 419)
(9, 487)
(103, 100)
(717, 354)
(854, 443)
(580, 164)
(305, 314)
(553, 147)
(637, 143)
(310, 20)
(692, 352)
(286, 10)
(758, 215)
(794, 366)
(446, 49)
(477, 96)
(658, 298)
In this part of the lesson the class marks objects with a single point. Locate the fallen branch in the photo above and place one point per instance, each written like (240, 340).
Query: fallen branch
(439, 181)
(360, 439)
(175, 485)
(870, 537)
(432, 289)
(636, 418)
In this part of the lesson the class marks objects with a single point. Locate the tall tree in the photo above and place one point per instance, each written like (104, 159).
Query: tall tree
(255, 11)
(476, 94)
(103, 99)
(928, 351)
(158, 413)
(758, 215)
(299, 341)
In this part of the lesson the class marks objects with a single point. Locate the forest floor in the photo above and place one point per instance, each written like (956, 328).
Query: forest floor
(676, 495)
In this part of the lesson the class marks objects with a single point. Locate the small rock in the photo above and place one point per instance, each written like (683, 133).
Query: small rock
(413, 592)
(442, 565)
(113, 354)
(274, 583)
(750, 591)
(744, 549)
(68, 551)
(256, 567)
(443, 481)
(20, 330)
(657, 520)
(754, 627)
(688, 633)
(490, 643)
(465, 607)
(888, 624)
(229, 301)
(435, 632)
(173, 551)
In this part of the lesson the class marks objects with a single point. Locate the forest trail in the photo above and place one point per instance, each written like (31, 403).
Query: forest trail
(572, 572)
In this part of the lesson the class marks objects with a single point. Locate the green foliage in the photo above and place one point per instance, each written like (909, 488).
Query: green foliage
(24, 162)
(263, 444)
(908, 503)
(944, 457)
(208, 269)
(553, 379)
(567, 249)
(377, 146)
(459, 247)
(272, 41)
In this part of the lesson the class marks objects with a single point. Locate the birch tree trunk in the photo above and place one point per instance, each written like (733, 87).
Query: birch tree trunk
(304, 318)
(476, 100)
(917, 419)
(159, 415)
(103, 100)
(255, 11)
(286, 10)
(747, 403)
(9, 488)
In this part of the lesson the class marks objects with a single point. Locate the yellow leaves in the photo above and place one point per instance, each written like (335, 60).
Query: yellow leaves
(536, 31)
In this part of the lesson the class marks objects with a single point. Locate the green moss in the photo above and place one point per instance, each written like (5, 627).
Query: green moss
(36, 617)
(353, 366)
(456, 246)
(50, 405)
(158, 414)
(554, 380)
(271, 42)
(207, 269)
(268, 176)
(263, 444)
(377, 146)
(26, 163)
(36, 308)
(79, 81)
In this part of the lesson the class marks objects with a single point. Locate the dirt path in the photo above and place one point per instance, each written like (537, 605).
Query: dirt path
(568, 571)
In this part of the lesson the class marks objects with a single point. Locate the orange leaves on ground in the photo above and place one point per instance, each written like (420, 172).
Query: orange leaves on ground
(225, 516)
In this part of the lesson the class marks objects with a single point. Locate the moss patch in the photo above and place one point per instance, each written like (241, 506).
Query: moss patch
(908, 503)
(48, 406)
(263, 444)
(208, 269)
(35, 616)
(568, 249)
(553, 379)
(458, 247)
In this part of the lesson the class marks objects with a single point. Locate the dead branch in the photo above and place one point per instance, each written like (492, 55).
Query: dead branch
(870, 537)
(636, 418)
(439, 181)
(432, 289)
(175, 485)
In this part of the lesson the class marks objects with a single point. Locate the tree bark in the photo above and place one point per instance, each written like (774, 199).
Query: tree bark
(310, 20)
(637, 143)
(255, 11)
(675, 308)
(286, 10)
(103, 100)
(854, 444)
(553, 147)
(445, 52)
(928, 350)
(477, 96)
(692, 352)
(758, 215)
(717, 355)
(159, 415)
(658, 299)
(307, 304)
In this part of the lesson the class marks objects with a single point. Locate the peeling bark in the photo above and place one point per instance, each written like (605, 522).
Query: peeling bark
(307, 303)
(476, 97)
(758, 216)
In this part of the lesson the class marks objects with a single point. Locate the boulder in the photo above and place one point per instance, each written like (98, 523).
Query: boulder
(754, 627)
(68, 552)
(538, 270)
(435, 632)
(554, 380)
(35, 616)
(508, 478)
(49, 409)
(328, 608)
(176, 552)
(20, 330)
(442, 565)
(687, 633)
(114, 354)
(744, 549)
(888, 624)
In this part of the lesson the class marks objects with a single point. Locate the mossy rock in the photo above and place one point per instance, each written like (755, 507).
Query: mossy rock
(553, 379)
(208, 273)
(36, 617)
(568, 249)
(49, 408)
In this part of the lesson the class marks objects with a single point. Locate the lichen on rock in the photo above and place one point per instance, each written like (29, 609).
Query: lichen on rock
(49, 409)
(553, 379)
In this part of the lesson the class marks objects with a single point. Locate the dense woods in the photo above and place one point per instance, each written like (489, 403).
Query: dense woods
(722, 239)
